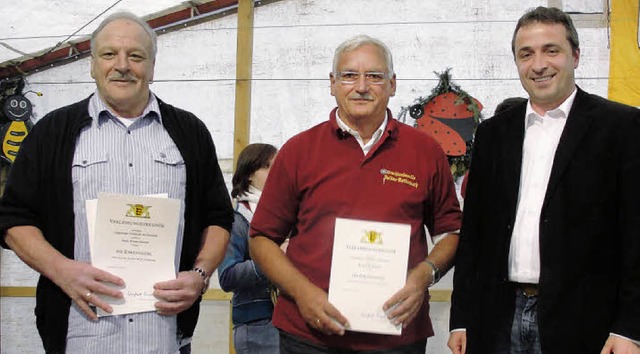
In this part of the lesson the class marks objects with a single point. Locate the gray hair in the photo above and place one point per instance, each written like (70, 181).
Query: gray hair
(126, 15)
(359, 41)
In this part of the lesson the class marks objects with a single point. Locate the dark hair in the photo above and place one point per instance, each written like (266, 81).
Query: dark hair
(252, 158)
(548, 15)
(508, 103)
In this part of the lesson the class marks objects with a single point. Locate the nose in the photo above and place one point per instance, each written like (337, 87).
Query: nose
(122, 62)
(539, 63)
(362, 85)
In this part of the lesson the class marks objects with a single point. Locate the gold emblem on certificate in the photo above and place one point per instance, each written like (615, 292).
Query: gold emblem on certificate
(138, 211)
(371, 236)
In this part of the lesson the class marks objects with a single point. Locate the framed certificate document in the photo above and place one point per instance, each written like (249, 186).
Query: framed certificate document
(368, 266)
(135, 239)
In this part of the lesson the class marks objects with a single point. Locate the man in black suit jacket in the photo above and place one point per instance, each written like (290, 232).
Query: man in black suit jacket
(549, 255)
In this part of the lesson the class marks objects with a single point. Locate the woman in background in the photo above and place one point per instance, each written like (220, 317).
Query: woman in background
(253, 332)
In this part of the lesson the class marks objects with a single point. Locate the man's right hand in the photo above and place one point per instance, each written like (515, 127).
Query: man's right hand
(79, 280)
(458, 342)
(313, 302)
(315, 308)
(82, 282)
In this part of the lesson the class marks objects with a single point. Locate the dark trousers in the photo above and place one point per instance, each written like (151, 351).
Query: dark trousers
(290, 344)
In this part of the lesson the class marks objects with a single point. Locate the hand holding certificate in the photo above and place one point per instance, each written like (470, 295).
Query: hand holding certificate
(135, 239)
(368, 266)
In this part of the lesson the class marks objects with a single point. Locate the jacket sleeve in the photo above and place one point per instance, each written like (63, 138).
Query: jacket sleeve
(627, 319)
(237, 271)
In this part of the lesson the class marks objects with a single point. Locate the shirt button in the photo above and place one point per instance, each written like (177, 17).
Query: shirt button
(162, 154)
(131, 320)
(84, 162)
(128, 131)
(130, 164)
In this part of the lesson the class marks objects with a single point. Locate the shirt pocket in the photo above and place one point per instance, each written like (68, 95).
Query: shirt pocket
(171, 173)
(88, 173)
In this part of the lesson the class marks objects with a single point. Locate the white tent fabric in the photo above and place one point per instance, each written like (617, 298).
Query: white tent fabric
(34, 25)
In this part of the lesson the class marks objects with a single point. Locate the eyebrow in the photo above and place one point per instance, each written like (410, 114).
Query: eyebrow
(544, 46)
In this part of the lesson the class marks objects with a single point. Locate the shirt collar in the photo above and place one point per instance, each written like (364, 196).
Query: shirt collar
(374, 137)
(562, 112)
(99, 111)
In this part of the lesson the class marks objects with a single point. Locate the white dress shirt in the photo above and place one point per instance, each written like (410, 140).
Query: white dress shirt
(542, 134)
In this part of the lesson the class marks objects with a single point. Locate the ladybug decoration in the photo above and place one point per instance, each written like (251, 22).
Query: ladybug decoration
(17, 109)
(450, 116)
(449, 121)
(416, 111)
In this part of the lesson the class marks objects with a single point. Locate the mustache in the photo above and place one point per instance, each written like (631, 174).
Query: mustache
(364, 96)
(122, 77)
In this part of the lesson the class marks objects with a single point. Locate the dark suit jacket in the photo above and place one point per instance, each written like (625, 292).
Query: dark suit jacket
(589, 231)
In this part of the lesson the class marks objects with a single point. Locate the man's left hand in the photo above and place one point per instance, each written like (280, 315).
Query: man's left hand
(179, 294)
(408, 299)
(619, 345)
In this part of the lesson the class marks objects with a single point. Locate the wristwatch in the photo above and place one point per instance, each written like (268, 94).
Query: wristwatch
(205, 278)
(435, 272)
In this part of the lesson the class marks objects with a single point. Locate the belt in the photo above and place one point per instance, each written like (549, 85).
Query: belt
(527, 289)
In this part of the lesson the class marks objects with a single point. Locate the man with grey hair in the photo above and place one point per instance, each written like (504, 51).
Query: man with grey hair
(122, 139)
(360, 164)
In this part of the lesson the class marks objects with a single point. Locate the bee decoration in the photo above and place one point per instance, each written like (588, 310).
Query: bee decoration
(17, 109)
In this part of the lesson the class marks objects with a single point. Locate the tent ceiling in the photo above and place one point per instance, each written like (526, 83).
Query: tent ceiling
(28, 36)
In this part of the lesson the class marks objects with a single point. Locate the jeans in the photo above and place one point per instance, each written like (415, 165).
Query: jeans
(290, 344)
(186, 349)
(525, 337)
(258, 337)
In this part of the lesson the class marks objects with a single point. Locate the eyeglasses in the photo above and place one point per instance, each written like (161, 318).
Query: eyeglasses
(351, 77)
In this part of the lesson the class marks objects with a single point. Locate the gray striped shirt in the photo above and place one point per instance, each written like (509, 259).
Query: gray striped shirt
(140, 159)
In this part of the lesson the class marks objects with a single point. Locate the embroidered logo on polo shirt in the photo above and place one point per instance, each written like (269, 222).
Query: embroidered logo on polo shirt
(372, 237)
(138, 211)
(399, 177)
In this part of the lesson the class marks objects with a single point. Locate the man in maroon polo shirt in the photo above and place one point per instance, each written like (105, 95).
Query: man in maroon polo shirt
(360, 164)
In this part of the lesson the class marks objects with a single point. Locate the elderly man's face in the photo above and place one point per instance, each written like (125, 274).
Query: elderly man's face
(362, 100)
(122, 67)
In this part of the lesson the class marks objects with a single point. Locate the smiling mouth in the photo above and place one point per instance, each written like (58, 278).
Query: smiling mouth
(361, 99)
(18, 115)
(543, 79)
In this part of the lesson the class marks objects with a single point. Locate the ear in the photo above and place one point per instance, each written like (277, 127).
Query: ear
(93, 64)
(576, 58)
(392, 90)
(153, 69)
(333, 80)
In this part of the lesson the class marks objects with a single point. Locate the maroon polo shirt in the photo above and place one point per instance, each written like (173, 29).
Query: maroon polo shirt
(322, 174)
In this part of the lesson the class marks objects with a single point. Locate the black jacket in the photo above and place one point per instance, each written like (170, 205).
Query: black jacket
(589, 242)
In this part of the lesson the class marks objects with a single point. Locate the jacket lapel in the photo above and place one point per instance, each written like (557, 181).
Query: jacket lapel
(512, 138)
(578, 122)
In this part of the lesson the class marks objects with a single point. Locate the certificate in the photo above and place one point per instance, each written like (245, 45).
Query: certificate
(135, 239)
(368, 266)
